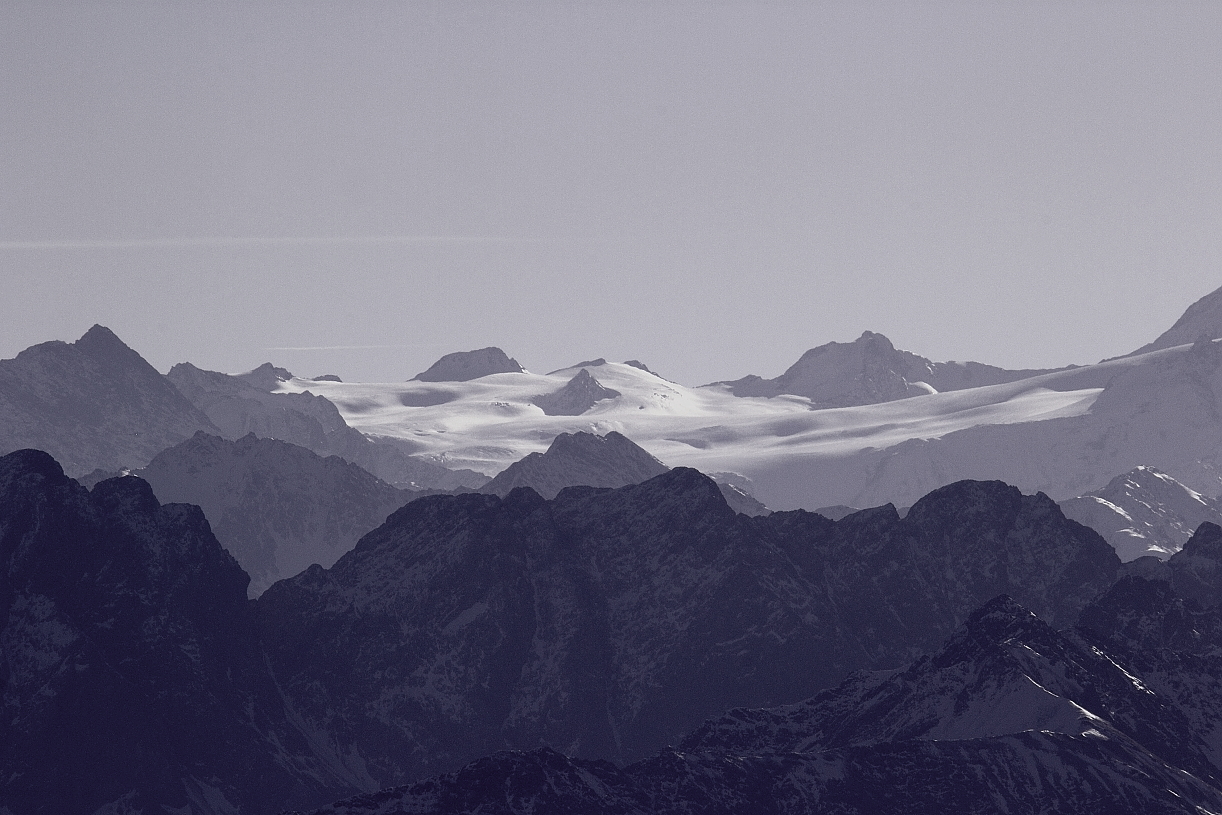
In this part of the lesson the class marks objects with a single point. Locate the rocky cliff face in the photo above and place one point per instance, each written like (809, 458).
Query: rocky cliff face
(608, 622)
(1008, 716)
(93, 403)
(132, 675)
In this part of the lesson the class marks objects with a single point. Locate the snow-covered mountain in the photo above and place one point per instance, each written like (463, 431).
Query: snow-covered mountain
(276, 507)
(1064, 432)
(240, 404)
(93, 403)
(1144, 512)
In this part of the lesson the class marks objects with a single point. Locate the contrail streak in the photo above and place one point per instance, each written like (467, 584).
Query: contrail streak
(331, 347)
(190, 243)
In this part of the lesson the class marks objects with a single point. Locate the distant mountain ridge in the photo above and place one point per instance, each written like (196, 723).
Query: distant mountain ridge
(870, 370)
(93, 403)
(578, 459)
(463, 366)
(276, 507)
(239, 404)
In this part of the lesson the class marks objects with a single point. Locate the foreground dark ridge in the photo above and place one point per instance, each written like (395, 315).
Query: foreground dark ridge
(1008, 716)
(605, 623)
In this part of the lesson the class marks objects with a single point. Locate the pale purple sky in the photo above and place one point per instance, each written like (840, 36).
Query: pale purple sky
(359, 188)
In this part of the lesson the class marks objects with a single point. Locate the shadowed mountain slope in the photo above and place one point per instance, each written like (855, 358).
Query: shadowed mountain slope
(870, 370)
(277, 507)
(92, 404)
(608, 622)
(1007, 716)
(463, 366)
(131, 671)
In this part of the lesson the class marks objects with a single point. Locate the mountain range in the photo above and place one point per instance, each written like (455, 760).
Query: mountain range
(1009, 715)
(507, 592)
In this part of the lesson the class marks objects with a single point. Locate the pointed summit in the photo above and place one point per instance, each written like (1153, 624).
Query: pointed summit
(92, 404)
(576, 459)
(575, 398)
(463, 366)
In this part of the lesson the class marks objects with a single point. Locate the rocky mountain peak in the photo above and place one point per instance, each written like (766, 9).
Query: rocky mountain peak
(579, 458)
(1000, 619)
(577, 396)
(463, 366)
(100, 341)
(266, 377)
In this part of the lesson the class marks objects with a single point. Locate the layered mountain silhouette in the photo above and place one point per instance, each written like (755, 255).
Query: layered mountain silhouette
(602, 624)
(276, 507)
(870, 370)
(463, 366)
(93, 403)
(578, 459)
(590, 460)
(1144, 512)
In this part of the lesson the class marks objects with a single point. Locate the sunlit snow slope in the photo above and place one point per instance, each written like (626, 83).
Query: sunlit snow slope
(488, 423)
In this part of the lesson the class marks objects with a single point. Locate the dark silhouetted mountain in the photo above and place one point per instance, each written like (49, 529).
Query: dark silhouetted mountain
(578, 459)
(1008, 716)
(246, 403)
(577, 396)
(1203, 319)
(606, 623)
(277, 507)
(868, 371)
(93, 403)
(1144, 512)
(133, 679)
(463, 366)
(588, 460)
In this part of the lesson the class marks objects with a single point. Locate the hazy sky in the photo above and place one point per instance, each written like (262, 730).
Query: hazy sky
(713, 187)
